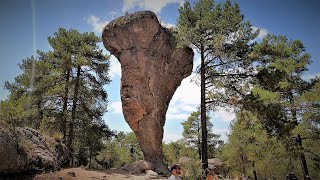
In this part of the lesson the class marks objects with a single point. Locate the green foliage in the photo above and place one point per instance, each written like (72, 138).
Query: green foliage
(224, 41)
(265, 96)
(309, 127)
(263, 80)
(120, 151)
(250, 144)
(192, 134)
(61, 93)
(191, 170)
(173, 151)
(57, 136)
(275, 155)
(23, 144)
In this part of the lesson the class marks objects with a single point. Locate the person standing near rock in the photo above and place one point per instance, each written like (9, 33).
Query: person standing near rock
(176, 171)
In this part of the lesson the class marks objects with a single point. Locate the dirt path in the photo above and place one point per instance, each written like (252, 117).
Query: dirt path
(83, 174)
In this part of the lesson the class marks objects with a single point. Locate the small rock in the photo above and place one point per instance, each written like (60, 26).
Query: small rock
(140, 167)
(183, 160)
(151, 173)
(71, 173)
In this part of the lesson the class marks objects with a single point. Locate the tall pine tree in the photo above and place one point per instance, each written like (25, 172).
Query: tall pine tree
(221, 37)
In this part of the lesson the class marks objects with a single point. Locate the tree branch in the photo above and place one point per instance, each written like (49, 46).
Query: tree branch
(240, 75)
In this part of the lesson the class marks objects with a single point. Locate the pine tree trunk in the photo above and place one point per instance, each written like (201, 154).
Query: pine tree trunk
(203, 114)
(199, 141)
(243, 163)
(65, 105)
(39, 116)
(254, 171)
(302, 158)
(74, 107)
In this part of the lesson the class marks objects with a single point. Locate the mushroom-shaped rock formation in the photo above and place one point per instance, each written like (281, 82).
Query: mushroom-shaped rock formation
(152, 69)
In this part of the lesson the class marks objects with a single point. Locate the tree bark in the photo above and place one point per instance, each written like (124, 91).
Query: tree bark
(203, 113)
(199, 140)
(39, 115)
(74, 107)
(254, 171)
(65, 105)
(303, 159)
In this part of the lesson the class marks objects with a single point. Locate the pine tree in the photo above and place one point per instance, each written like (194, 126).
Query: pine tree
(32, 85)
(62, 92)
(280, 64)
(84, 67)
(217, 32)
(192, 133)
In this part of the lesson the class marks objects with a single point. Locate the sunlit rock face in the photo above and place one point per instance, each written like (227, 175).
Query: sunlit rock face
(152, 69)
(25, 150)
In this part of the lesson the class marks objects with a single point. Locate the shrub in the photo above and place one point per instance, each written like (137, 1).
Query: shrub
(57, 136)
(192, 170)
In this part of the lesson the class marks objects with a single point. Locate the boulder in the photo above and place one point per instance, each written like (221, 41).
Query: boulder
(139, 167)
(152, 69)
(184, 160)
(151, 173)
(27, 150)
(216, 165)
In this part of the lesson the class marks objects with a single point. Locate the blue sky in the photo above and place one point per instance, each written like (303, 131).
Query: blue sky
(26, 24)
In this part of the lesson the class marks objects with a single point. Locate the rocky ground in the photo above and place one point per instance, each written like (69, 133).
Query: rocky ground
(83, 174)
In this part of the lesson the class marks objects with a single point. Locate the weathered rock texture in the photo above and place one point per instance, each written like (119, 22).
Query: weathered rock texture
(139, 167)
(29, 151)
(216, 165)
(152, 69)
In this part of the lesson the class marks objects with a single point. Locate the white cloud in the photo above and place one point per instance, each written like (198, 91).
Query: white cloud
(167, 137)
(263, 32)
(113, 14)
(188, 93)
(310, 76)
(116, 107)
(172, 110)
(167, 25)
(115, 67)
(222, 131)
(186, 107)
(177, 116)
(152, 5)
(223, 115)
(96, 23)
(184, 101)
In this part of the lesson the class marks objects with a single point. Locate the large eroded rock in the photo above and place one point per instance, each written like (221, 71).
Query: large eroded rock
(29, 151)
(152, 69)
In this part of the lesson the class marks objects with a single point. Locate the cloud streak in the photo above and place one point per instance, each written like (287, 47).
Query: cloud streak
(263, 32)
(96, 23)
(308, 77)
(116, 107)
(223, 115)
(115, 67)
(152, 5)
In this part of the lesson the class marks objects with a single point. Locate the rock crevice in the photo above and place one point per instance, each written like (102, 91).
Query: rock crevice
(152, 69)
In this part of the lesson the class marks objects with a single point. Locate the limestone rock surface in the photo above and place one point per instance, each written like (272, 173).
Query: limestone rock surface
(28, 151)
(152, 69)
(139, 167)
(216, 165)
(184, 160)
